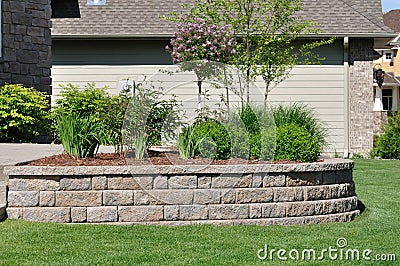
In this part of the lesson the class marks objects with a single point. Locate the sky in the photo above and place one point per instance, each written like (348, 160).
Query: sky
(388, 5)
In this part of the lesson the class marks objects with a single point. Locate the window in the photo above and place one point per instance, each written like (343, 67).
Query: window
(387, 99)
(96, 2)
(388, 57)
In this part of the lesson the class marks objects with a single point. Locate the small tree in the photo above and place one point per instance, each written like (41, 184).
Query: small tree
(198, 41)
(266, 29)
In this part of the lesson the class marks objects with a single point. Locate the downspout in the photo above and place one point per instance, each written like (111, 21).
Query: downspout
(346, 80)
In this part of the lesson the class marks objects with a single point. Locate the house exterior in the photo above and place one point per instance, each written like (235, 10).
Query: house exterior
(387, 97)
(123, 40)
(25, 54)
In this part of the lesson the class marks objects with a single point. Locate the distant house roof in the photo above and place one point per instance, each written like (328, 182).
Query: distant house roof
(392, 20)
(142, 18)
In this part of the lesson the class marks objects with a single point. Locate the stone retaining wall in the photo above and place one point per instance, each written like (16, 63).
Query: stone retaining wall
(173, 195)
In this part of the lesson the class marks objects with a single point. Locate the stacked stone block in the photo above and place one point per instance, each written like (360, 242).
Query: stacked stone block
(26, 53)
(261, 198)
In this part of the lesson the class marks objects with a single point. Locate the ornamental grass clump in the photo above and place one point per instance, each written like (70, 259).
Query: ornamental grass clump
(79, 134)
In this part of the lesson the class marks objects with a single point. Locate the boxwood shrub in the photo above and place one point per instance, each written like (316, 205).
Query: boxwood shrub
(294, 143)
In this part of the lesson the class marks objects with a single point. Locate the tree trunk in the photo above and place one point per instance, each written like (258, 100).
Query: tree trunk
(267, 82)
(248, 86)
(227, 90)
(199, 95)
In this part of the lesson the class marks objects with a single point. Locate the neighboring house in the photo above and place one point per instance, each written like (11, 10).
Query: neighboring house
(387, 97)
(25, 53)
(110, 43)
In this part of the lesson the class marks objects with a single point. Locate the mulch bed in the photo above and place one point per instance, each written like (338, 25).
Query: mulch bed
(153, 158)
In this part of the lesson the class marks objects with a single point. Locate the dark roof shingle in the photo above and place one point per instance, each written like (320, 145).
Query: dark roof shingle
(119, 18)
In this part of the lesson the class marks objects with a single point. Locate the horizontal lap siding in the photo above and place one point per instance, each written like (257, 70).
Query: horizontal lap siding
(321, 87)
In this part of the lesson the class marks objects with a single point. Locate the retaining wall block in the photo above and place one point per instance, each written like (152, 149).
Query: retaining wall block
(297, 209)
(78, 214)
(47, 198)
(284, 194)
(273, 210)
(102, 214)
(257, 195)
(78, 198)
(117, 197)
(14, 213)
(193, 212)
(33, 184)
(75, 183)
(277, 180)
(47, 214)
(23, 198)
(227, 212)
(140, 213)
(99, 182)
(161, 197)
(171, 213)
(182, 182)
(207, 196)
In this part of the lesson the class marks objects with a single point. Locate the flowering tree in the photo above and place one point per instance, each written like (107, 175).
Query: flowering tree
(268, 30)
(200, 40)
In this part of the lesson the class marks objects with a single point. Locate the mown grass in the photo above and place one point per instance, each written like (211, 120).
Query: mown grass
(377, 185)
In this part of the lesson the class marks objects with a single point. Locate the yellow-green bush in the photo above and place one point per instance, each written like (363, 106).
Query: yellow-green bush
(23, 113)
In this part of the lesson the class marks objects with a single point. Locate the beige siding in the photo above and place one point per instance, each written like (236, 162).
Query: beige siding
(321, 87)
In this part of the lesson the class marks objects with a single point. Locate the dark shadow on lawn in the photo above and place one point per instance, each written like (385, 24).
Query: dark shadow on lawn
(361, 206)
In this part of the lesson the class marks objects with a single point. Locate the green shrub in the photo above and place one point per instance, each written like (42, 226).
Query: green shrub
(162, 120)
(249, 134)
(87, 101)
(387, 145)
(303, 116)
(147, 114)
(23, 113)
(79, 134)
(113, 118)
(99, 105)
(309, 134)
(215, 140)
(294, 143)
(260, 127)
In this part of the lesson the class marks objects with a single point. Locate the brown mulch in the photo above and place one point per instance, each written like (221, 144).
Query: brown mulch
(153, 158)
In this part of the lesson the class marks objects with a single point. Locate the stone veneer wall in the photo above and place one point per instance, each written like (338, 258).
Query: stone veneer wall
(380, 119)
(361, 95)
(26, 50)
(263, 195)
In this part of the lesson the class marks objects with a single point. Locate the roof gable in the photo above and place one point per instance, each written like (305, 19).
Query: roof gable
(392, 20)
(142, 18)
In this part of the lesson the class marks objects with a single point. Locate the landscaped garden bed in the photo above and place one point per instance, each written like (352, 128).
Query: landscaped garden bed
(261, 194)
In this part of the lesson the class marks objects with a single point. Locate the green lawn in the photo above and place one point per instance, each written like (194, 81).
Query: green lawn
(378, 229)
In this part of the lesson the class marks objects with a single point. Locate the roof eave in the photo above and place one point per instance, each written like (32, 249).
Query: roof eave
(169, 35)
